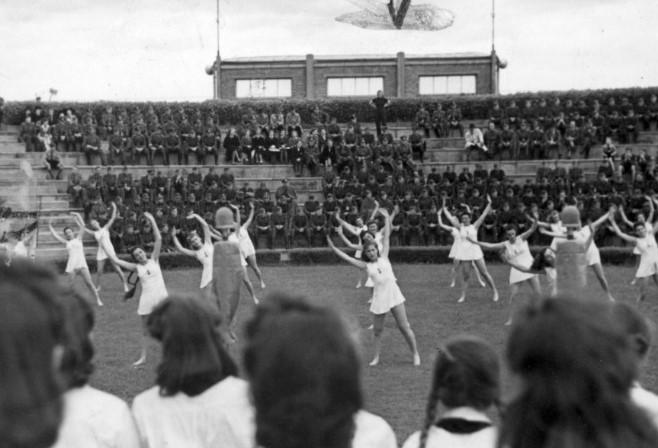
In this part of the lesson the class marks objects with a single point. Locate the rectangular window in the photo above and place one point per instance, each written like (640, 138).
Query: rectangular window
(263, 88)
(354, 86)
(446, 85)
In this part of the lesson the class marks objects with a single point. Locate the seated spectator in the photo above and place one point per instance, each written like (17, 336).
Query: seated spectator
(75, 188)
(298, 352)
(418, 144)
(466, 382)
(439, 121)
(455, 120)
(31, 340)
(572, 139)
(52, 162)
(91, 417)
(422, 122)
(197, 393)
(497, 115)
(576, 365)
(474, 142)
(491, 139)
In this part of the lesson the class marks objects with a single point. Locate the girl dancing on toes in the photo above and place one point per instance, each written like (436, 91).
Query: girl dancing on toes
(246, 246)
(466, 382)
(386, 293)
(202, 250)
(586, 236)
(456, 240)
(469, 252)
(148, 270)
(645, 242)
(105, 248)
(542, 263)
(77, 264)
(517, 251)
(648, 223)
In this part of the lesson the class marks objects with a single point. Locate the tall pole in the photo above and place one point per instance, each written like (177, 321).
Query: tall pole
(493, 25)
(216, 74)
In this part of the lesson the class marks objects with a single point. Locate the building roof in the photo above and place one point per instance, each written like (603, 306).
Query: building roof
(349, 57)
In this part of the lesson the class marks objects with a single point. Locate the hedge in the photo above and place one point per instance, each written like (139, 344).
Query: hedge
(324, 256)
(403, 110)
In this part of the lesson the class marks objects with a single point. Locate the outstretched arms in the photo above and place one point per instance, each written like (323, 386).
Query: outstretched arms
(112, 218)
(615, 228)
(155, 255)
(353, 261)
(177, 244)
(484, 214)
(204, 226)
(54, 233)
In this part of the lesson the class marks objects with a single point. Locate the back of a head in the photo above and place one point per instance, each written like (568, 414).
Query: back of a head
(77, 364)
(193, 355)
(638, 328)
(577, 368)
(304, 375)
(32, 331)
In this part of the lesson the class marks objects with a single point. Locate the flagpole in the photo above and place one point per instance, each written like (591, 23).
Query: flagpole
(493, 25)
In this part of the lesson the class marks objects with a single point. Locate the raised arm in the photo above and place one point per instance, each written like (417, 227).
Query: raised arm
(487, 245)
(552, 234)
(54, 233)
(353, 261)
(651, 210)
(155, 255)
(624, 218)
(595, 225)
(484, 214)
(443, 226)
(247, 223)
(81, 225)
(177, 244)
(525, 235)
(387, 232)
(349, 227)
(204, 226)
(374, 212)
(623, 236)
(451, 218)
(347, 242)
(112, 218)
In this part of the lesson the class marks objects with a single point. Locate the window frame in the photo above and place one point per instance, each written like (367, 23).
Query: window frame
(263, 80)
(355, 80)
(447, 81)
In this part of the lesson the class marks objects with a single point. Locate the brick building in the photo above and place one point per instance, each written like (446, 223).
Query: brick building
(401, 76)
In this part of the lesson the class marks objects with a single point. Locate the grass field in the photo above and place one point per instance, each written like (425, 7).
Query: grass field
(395, 389)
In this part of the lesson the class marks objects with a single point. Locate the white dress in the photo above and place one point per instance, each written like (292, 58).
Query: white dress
(205, 256)
(468, 251)
(379, 240)
(76, 256)
(558, 228)
(234, 238)
(439, 437)
(95, 419)
(647, 401)
(648, 256)
(102, 237)
(386, 293)
(153, 287)
(649, 229)
(592, 255)
(20, 250)
(456, 239)
(246, 246)
(519, 253)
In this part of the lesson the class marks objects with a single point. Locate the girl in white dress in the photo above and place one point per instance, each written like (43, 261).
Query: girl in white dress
(468, 252)
(518, 252)
(454, 250)
(77, 264)
(648, 223)
(105, 248)
(148, 270)
(386, 292)
(542, 263)
(357, 230)
(246, 246)
(586, 236)
(645, 242)
(466, 382)
(202, 250)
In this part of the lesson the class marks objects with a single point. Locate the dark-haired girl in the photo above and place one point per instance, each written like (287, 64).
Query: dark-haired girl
(196, 380)
(517, 250)
(469, 252)
(148, 270)
(77, 264)
(92, 418)
(386, 292)
(466, 382)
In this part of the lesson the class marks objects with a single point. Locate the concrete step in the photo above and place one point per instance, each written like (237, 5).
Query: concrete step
(15, 160)
(50, 204)
(53, 253)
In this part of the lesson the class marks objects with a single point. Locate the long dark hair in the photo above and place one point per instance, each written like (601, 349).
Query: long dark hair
(304, 375)
(77, 364)
(466, 373)
(32, 329)
(577, 368)
(193, 355)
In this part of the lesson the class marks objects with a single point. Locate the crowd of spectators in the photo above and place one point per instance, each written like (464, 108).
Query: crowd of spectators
(412, 197)
(543, 129)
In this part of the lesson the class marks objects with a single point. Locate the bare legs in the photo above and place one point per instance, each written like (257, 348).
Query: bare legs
(466, 273)
(400, 315)
(250, 288)
(143, 343)
(598, 270)
(514, 290)
(101, 268)
(251, 261)
(455, 265)
(86, 276)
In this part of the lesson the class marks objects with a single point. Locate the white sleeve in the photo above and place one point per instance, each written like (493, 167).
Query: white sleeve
(412, 441)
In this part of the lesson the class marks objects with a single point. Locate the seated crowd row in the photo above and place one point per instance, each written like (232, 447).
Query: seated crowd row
(302, 382)
(414, 199)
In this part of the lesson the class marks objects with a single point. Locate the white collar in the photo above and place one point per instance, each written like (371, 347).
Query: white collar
(466, 413)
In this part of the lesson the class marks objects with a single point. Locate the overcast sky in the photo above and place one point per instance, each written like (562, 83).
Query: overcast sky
(157, 49)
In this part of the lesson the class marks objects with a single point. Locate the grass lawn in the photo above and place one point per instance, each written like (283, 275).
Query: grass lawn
(395, 389)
